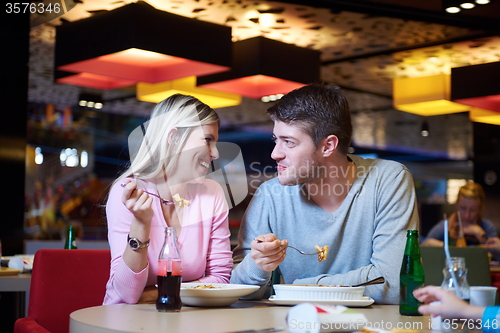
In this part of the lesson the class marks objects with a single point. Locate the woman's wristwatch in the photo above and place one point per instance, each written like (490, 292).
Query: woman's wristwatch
(135, 244)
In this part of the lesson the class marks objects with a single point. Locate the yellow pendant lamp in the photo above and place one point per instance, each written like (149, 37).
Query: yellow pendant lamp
(156, 92)
(425, 96)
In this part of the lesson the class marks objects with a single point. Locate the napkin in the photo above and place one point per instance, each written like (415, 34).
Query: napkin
(316, 318)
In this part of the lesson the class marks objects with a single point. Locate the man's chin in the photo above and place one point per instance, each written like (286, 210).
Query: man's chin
(287, 181)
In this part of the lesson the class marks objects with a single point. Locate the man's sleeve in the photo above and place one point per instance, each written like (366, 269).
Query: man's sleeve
(255, 222)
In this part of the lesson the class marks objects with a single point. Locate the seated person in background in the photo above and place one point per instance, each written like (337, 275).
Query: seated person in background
(470, 204)
(172, 160)
(452, 307)
(360, 208)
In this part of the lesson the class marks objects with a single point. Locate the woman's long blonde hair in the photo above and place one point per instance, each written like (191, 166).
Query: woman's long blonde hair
(154, 145)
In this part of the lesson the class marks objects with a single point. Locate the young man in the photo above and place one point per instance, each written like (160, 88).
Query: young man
(360, 208)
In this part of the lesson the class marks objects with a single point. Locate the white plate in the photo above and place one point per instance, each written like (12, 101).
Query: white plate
(225, 294)
(366, 301)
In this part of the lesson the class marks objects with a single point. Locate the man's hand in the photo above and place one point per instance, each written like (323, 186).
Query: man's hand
(268, 251)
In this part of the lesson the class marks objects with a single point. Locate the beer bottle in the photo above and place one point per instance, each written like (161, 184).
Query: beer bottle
(461, 242)
(411, 276)
(70, 242)
(169, 274)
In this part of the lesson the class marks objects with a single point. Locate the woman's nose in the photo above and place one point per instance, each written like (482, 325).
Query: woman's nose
(214, 152)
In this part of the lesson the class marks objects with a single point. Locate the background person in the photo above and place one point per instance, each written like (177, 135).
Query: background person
(173, 157)
(470, 204)
(360, 208)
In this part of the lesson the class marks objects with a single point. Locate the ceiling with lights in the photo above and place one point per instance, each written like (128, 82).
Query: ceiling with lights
(361, 48)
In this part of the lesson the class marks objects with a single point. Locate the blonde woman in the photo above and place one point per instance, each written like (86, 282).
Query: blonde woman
(470, 204)
(170, 157)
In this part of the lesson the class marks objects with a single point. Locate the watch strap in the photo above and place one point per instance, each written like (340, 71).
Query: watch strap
(140, 245)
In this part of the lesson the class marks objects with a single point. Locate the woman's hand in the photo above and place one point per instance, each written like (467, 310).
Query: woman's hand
(493, 246)
(149, 295)
(433, 242)
(137, 202)
(268, 251)
(475, 231)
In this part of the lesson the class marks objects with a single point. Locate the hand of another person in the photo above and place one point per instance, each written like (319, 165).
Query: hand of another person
(268, 251)
(138, 202)
(451, 306)
(476, 231)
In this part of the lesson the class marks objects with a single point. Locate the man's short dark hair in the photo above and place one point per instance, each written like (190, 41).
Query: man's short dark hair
(320, 110)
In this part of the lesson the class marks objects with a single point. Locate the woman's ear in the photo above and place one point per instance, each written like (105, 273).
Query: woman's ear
(330, 145)
(172, 136)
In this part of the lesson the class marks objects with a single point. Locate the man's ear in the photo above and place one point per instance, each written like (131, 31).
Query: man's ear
(330, 145)
(172, 135)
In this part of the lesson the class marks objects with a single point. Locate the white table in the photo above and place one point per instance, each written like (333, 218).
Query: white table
(19, 283)
(259, 315)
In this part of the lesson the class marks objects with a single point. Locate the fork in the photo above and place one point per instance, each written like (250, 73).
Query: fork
(163, 201)
(296, 249)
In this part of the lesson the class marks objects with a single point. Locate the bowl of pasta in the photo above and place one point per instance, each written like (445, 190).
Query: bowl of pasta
(213, 294)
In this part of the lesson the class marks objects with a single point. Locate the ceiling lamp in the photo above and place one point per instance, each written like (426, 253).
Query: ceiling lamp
(479, 115)
(156, 92)
(452, 6)
(263, 67)
(455, 6)
(138, 43)
(477, 86)
(425, 96)
(90, 80)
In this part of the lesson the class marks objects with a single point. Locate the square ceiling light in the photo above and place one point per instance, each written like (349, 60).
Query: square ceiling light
(138, 43)
(156, 92)
(263, 67)
(425, 96)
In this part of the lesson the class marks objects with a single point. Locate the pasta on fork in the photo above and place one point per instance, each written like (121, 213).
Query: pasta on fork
(322, 252)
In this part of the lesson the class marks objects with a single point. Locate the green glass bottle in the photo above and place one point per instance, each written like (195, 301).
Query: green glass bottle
(411, 276)
(70, 238)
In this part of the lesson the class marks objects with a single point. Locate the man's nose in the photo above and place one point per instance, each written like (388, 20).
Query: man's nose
(277, 153)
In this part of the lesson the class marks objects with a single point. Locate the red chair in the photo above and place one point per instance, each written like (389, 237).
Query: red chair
(63, 281)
